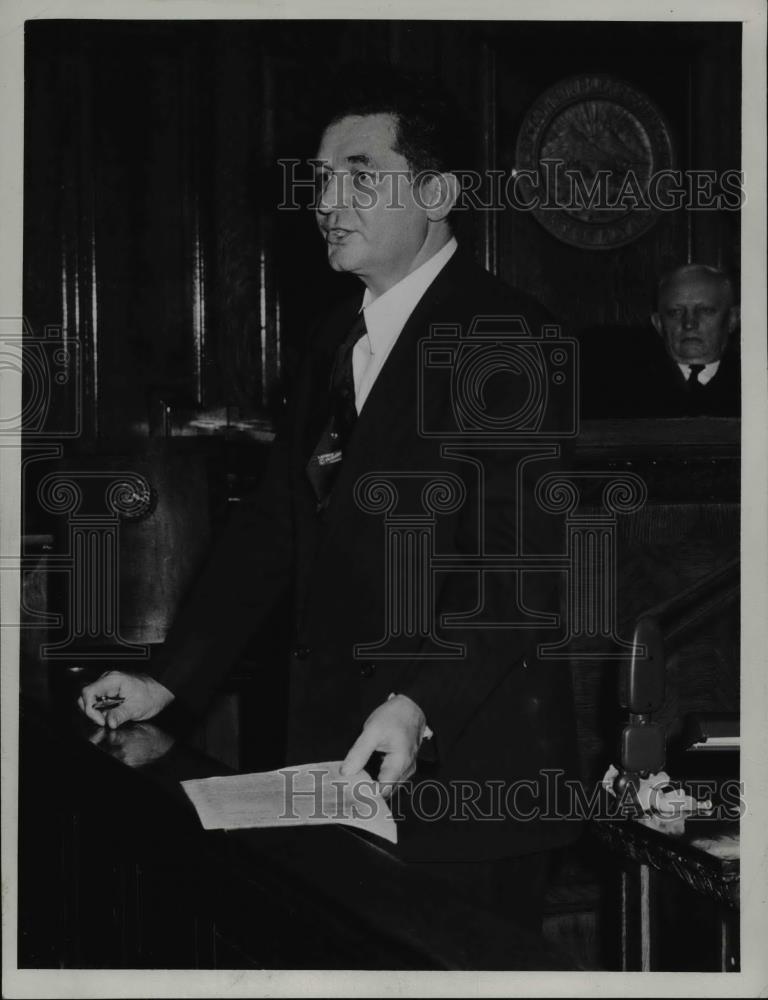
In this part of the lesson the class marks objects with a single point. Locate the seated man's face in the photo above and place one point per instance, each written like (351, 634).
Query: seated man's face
(695, 318)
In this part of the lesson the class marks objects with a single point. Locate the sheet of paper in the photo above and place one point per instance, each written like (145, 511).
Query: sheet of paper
(292, 796)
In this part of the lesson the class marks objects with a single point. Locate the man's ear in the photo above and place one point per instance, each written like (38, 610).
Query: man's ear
(438, 194)
(734, 318)
(656, 320)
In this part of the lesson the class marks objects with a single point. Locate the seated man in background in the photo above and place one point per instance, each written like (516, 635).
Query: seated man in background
(696, 317)
(693, 372)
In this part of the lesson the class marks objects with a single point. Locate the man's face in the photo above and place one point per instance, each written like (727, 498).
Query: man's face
(372, 224)
(695, 318)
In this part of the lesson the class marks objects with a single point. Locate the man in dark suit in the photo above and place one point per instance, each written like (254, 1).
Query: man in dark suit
(691, 370)
(696, 318)
(379, 666)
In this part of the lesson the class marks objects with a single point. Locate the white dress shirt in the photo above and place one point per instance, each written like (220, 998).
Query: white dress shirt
(707, 372)
(385, 317)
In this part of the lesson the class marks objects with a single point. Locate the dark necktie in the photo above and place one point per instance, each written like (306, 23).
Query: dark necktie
(694, 389)
(325, 462)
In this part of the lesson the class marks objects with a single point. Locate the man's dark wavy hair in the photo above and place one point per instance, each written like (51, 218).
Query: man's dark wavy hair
(430, 133)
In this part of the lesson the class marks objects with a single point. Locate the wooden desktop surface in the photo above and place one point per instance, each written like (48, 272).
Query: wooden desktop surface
(321, 897)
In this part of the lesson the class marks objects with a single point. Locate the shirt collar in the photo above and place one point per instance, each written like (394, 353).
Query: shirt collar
(707, 372)
(386, 315)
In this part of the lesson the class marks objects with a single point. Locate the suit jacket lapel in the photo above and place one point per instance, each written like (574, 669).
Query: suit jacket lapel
(391, 407)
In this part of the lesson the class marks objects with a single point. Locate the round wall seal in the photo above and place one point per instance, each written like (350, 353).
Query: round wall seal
(588, 157)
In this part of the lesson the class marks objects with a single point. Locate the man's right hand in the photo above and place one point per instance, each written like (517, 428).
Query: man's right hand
(143, 697)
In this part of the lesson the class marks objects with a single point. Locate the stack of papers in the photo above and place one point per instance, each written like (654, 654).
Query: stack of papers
(292, 796)
(717, 743)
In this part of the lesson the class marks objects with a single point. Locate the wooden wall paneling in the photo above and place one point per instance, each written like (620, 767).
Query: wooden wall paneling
(87, 272)
(716, 117)
(419, 45)
(269, 302)
(194, 134)
(490, 248)
(147, 343)
(59, 296)
(235, 187)
(599, 287)
(44, 122)
(466, 68)
(79, 306)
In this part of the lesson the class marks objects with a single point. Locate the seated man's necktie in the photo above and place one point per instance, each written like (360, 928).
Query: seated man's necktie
(325, 462)
(694, 391)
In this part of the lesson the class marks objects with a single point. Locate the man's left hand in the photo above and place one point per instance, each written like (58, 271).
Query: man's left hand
(396, 730)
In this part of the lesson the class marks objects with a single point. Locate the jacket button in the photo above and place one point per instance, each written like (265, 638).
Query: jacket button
(368, 670)
(301, 652)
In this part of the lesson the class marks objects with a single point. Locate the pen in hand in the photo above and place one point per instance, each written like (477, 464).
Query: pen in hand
(104, 702)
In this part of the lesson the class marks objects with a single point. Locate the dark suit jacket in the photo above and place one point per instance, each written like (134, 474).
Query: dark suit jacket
(628, 373)
(498, 713)
(670, 397)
